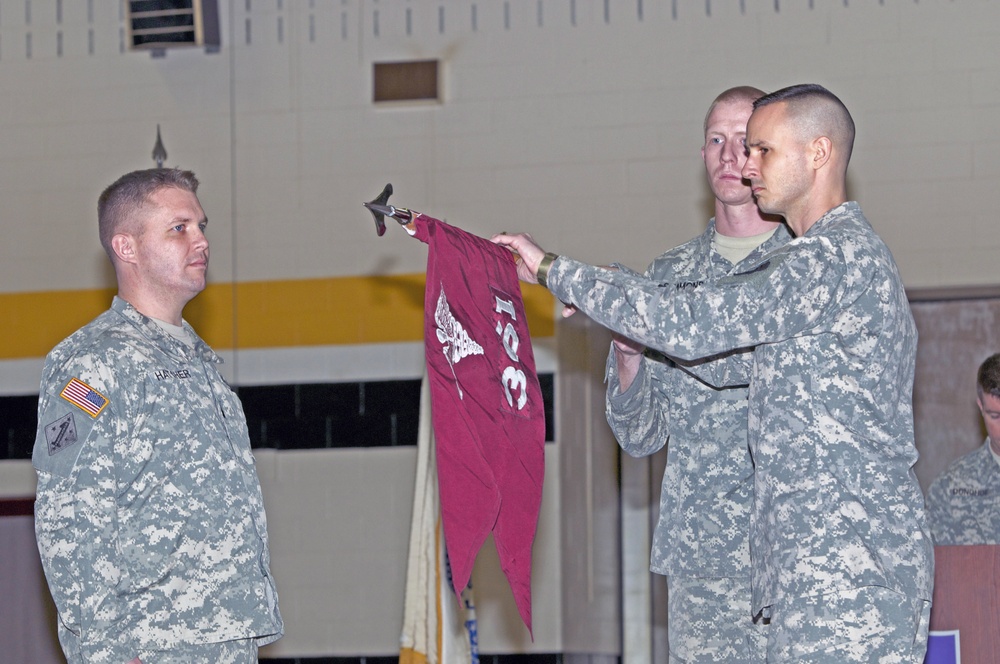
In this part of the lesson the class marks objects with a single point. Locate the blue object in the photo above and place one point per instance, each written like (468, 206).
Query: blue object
(943, 648)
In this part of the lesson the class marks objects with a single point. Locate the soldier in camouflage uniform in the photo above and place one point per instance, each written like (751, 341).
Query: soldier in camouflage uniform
(148, 512)
(841, 555)
(701, 541)
(963, 503)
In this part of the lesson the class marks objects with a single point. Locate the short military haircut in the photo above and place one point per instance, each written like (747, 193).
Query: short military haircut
(816, 112)
(120, 203)
(988, 379)
(741, 93)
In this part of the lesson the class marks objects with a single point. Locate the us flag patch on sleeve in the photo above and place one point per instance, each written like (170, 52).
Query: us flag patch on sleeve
(84, 397)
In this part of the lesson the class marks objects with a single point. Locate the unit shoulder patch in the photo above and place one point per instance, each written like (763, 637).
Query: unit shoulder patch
(61, 434)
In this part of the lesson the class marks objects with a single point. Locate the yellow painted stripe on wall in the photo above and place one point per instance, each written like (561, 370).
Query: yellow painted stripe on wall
(268, 314)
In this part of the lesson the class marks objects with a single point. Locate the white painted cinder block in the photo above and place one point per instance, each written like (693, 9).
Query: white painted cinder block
(576, 120)
(339, 524)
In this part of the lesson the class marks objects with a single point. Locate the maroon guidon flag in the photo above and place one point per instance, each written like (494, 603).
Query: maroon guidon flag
(486, 404)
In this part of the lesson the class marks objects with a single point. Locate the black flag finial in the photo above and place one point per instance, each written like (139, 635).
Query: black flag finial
(159, 152)
(381, 209)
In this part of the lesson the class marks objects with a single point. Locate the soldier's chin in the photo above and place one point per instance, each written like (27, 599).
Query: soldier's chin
(728, 190)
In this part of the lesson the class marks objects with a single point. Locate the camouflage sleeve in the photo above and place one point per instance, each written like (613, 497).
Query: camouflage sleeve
(782, 297)
(725, 370)
(76, 521)
(937, 510)
(640, 416)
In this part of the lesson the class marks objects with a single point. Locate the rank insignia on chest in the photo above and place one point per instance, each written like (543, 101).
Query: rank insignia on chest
(84, 397)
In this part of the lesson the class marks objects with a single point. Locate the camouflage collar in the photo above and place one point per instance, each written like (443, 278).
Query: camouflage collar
(846, 210)
(159, 337)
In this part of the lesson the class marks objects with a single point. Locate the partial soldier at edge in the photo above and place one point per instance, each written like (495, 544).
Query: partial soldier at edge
(963, 503)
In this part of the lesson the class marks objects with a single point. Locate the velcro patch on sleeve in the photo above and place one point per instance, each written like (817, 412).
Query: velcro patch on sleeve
(84, 397)
(61, 434)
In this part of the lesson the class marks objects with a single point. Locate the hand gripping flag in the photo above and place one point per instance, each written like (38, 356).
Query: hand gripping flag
(487, 411)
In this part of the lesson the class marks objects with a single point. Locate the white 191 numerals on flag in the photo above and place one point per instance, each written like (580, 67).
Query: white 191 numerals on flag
(512, 377)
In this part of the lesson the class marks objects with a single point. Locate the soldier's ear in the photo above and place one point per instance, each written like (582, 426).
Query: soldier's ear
(123, 245)
(821, 149)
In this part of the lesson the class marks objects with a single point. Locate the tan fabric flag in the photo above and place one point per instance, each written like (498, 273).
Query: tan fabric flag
(436, 629)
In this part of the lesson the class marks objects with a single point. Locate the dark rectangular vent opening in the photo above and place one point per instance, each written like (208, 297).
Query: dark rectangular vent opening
(406, 81)
(162, 24)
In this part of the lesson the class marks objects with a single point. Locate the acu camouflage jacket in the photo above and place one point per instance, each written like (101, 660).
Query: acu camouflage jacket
(707, 490)
(963, 504)
(148, 513)
(836, 505)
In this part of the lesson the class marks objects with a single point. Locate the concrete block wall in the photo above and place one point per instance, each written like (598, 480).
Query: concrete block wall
(339, 523)
(577, 120)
